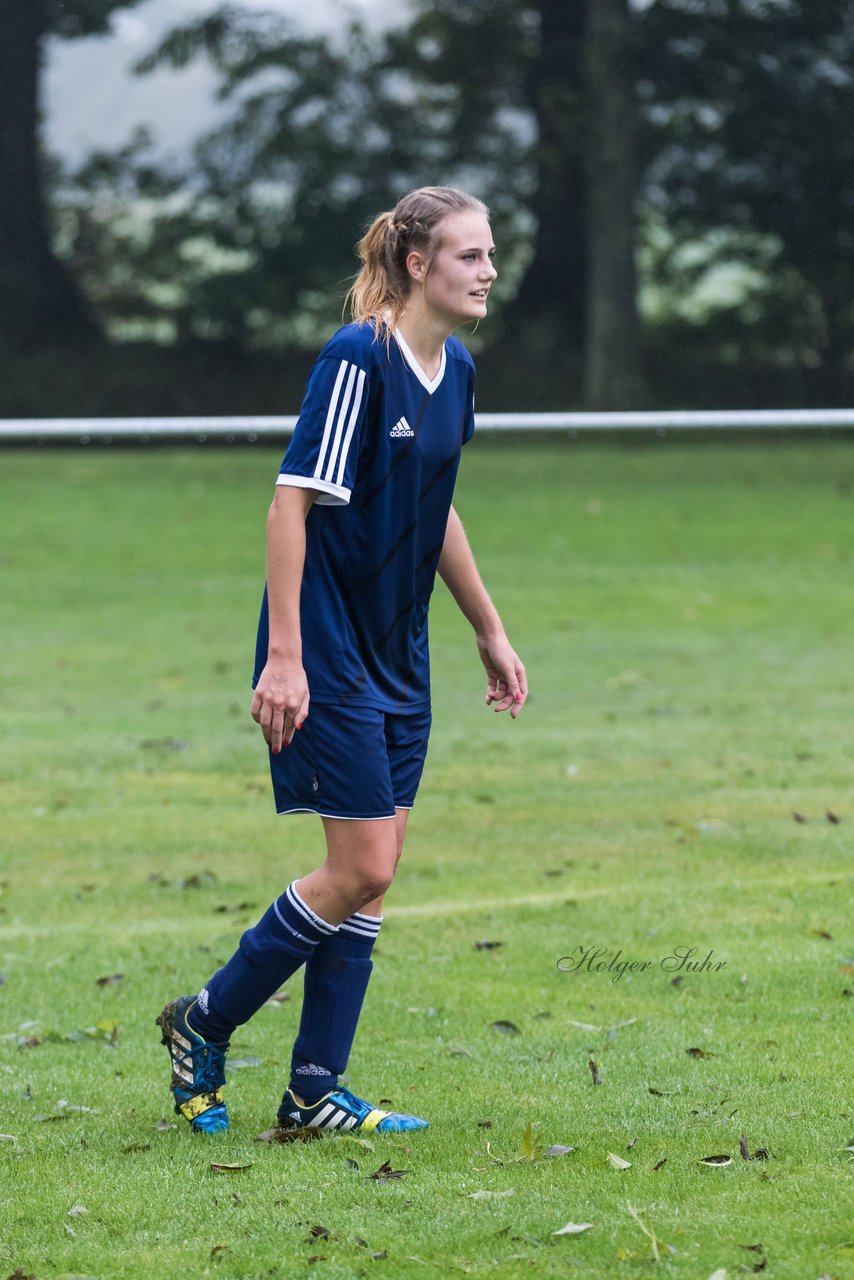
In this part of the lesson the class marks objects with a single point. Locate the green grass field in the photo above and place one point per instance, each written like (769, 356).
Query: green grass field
(685, 614)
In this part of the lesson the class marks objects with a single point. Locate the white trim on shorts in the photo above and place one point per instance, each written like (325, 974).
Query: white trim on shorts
(349, 817)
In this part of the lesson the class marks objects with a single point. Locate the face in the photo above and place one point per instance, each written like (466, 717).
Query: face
(456, 286)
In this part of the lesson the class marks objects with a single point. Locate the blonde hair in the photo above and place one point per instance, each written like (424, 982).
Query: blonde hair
(379, 293)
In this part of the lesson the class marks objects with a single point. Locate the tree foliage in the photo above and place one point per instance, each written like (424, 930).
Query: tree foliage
(743, 163)
(749, 149)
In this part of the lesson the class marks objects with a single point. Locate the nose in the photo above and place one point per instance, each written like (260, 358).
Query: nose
(490, 272)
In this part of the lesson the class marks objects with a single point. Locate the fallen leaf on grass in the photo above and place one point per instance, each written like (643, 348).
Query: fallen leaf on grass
(487, 945)
(20, 1274)
(8, 1137)
(111, 980)
(617, 1162)
(219, 1249)
(657, 1093)
(317, 1232)
(832, 817)
(385, 1173)
(106, 1030)
(821, 933)
(594, 1070)
(656, 1167)
(163, 1126)
(557, 1149)
(62, 1111)
(529, 1148)
(248, 1060)
(233, 1166)
(504, 1027)
(279, 997)
(364, 1143)
(134, 1148)
(490, 1195)
(573, 1229)
(694, 1052)
(715, 1162)
(288, 1135)
(456, 1051)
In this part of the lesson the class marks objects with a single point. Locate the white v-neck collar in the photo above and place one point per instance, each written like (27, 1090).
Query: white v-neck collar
(416, 367)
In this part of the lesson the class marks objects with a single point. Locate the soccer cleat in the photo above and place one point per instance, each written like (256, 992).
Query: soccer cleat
(198, 1069)
(341, 1109)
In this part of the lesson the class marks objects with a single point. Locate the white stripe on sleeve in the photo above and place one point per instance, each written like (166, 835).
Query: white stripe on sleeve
(339, 424)
(354, 413)
(333, 404)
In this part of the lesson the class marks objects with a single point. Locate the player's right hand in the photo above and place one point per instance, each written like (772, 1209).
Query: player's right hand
(280, 704)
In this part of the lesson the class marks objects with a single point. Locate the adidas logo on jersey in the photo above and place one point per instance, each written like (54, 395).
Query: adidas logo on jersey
(401, 430)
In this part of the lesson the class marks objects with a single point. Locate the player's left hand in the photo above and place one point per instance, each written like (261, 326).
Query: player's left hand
(506, 682)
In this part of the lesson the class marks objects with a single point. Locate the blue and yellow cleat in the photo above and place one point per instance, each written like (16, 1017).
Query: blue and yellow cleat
(198, 1069)
(342, 1110)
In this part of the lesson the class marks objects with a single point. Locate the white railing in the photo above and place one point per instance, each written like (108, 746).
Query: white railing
(244, 428)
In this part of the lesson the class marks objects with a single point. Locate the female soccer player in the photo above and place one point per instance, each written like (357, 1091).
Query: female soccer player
(360, 523)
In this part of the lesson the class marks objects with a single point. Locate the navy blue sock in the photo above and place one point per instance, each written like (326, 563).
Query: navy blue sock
(285, 937)
(336, 979)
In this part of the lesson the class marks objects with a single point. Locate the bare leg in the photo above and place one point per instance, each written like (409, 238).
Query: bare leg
(400, 816)
(361, 858)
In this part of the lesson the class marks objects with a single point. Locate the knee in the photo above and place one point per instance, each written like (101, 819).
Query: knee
(371, 882)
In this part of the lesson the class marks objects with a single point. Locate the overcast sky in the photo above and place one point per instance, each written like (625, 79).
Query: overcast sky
(91, 99)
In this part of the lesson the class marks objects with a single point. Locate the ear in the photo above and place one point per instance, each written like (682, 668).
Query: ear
(416, 265)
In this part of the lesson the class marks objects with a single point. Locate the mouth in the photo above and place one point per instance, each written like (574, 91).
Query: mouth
(479, 293)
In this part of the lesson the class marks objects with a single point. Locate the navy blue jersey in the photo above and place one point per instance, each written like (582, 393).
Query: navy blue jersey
(381, 445)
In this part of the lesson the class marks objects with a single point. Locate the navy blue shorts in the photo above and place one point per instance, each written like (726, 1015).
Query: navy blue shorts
(351, 762)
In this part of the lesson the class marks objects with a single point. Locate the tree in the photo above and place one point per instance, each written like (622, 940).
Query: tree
(543, 110)
(749, 142)
(39, 302)
(324, 133)
(612, 376)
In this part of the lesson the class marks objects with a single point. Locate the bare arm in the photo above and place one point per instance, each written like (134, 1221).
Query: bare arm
(281, 700)
(507, 684)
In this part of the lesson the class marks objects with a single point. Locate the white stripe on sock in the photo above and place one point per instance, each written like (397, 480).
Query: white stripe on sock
(362, 933)
(305, 910)
(295, 933)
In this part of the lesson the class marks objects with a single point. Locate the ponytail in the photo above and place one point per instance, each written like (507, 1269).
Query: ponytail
(381, 289)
